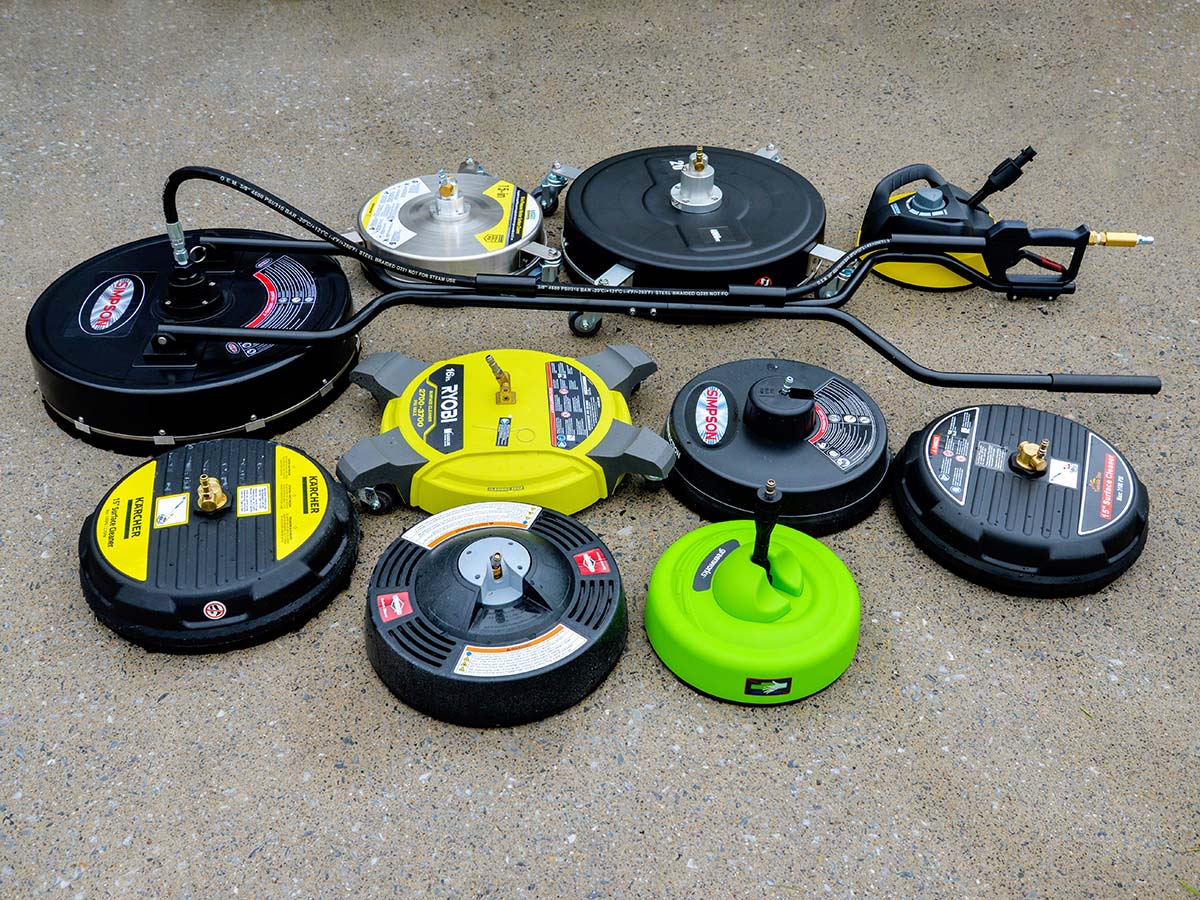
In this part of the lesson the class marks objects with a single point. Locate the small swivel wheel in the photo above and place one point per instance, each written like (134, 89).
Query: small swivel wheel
(584, 325)
(382, 498)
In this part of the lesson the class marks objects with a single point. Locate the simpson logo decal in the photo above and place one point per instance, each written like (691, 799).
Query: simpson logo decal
(712, 415)
(111, 304)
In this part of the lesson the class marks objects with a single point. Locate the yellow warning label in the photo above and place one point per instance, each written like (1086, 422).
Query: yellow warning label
(369, 209)
(497, 237)
(123, 523)
(300, 498)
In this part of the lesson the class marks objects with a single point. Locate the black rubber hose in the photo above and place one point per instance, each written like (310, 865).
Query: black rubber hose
(204, 173)
(305, 221)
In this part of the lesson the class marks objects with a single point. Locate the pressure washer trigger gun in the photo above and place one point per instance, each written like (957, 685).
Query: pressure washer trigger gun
(941, 238)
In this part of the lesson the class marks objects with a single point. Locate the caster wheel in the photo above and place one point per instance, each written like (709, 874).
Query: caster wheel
(377, 500)
(583, 325)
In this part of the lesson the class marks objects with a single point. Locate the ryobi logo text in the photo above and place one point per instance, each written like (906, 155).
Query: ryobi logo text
(448, 398)
(110, 303)
(712, 415)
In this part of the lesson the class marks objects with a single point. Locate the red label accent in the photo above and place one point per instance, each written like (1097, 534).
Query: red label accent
(593, 562)
(393, 606)
(935, 444)
(1106, 488)
(764, 281)
(215, 610)
(271, 295)
(822, 423)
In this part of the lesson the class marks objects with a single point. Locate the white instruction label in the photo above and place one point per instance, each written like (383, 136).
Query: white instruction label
(172, 509)
(516, 659)
(1064, 473)
(253, 500)
(380, 216)
(435, 529)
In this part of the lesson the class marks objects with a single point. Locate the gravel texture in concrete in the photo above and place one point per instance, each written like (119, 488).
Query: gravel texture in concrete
(979, 746)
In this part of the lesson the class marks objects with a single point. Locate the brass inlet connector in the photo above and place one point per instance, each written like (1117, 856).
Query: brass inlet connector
(210, 496)
(1031, 456)
(1118, 239)
(497, 566)
(506, 395)
(701, 159)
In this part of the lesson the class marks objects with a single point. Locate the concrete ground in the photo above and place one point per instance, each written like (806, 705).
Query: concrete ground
(979, 746)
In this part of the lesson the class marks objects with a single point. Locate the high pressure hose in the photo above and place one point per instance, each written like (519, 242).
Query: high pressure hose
(523, 292)
(490, 284)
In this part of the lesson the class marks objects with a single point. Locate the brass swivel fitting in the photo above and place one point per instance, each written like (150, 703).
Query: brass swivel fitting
(1031, 456)
(506, 395)
(1118, 239)
(210, 496)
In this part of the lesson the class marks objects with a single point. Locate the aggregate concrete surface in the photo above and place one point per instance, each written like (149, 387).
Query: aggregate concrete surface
(979, 746)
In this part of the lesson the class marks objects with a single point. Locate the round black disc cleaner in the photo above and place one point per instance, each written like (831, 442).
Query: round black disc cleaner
(217, 545)
(1023, 501)
(819, 434)
(108, 377)
(688, 216)
(495, 614)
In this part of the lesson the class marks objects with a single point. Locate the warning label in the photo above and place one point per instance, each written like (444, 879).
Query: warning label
(517, 659)
(171, 510)
(950, 450)
(393, 606)
(380, 218)
(516, 216)
(435, 529)
(847, 429)
(291, 296)
(1108, 489)
(574, 405)
(253, 500)
(593, 562)
(991, 456)
(435, 409)
(1064, 473)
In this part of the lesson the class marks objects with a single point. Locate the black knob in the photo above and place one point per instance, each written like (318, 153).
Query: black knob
(929, 200)
(778, 409)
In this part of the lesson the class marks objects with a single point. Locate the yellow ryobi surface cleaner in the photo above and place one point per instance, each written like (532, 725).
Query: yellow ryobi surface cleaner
(518, 425)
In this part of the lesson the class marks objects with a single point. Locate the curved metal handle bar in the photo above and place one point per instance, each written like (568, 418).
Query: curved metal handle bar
(1116, 384)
